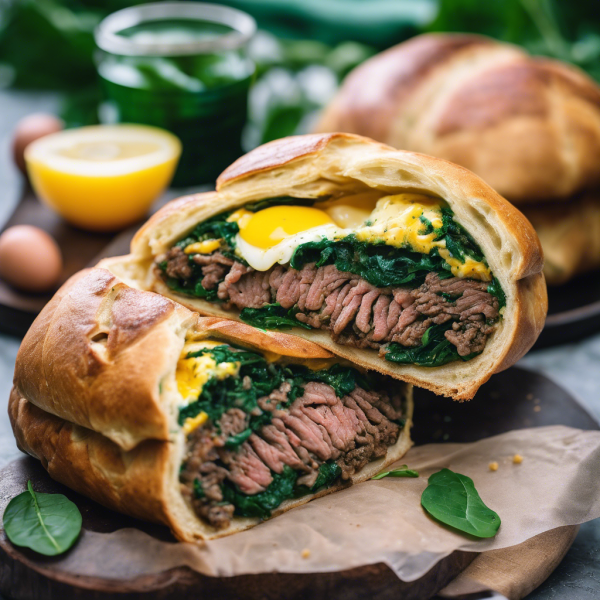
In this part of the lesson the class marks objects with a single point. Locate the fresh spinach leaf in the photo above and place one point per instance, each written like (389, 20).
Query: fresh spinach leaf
(280, 201)
(403, 471)
(46, 523)
(435, 350)
(272, 316)
(452, 499)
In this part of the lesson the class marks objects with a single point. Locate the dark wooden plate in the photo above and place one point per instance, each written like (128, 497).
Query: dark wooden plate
(507, 402)
(573, 311)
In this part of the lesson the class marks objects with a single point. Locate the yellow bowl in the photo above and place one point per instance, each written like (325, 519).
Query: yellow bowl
(104, 177)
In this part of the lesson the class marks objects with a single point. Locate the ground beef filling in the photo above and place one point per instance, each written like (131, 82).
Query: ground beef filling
(356, 312)
(317, 427)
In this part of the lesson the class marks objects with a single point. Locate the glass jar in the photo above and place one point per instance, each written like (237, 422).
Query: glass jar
(181, 66)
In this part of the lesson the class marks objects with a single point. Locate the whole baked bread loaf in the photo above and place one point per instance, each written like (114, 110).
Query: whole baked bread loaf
(529, 126)
(376, 292)
(136, 402)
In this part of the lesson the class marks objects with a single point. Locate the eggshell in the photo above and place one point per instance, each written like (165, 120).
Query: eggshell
(28, 130)
(30, 259)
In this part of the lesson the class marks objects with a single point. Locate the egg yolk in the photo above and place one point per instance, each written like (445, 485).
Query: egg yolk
(268, 227)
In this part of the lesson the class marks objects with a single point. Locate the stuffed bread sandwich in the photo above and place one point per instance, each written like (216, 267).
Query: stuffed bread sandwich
(399, 262)
(205, 425)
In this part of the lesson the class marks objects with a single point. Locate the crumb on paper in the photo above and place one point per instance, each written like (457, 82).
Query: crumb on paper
(529, 396)
(493, 466)
(537, 408)
(537, 401)
(305, 553)
(517, 459)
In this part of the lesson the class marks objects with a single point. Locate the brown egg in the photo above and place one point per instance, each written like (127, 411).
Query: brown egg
(30, 259)
(30, 129)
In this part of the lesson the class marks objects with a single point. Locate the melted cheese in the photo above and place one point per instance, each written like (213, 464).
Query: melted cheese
(400, 220)
(205, 247)
(192, 423)
(192, 373)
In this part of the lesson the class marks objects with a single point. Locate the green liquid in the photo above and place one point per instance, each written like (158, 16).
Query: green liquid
(200, 98)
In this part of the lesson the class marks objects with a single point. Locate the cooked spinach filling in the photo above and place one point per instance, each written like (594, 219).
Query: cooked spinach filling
(220, 395)
(378, 263)
(283, 487)
(256, 379)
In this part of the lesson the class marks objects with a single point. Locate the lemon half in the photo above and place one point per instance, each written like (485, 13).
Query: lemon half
(103, 177)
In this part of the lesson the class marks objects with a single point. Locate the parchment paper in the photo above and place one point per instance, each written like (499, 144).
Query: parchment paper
(557, 484)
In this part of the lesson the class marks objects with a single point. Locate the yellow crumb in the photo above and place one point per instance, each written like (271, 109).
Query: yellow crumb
(305, 553)
(517, 459)
(493, 466)
(529, 396)
(537, 408)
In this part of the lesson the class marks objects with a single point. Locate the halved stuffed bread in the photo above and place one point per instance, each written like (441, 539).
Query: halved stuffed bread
(205, 425)
(394, 260)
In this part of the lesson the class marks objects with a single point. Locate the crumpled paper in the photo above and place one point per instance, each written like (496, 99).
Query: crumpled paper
(382, 521)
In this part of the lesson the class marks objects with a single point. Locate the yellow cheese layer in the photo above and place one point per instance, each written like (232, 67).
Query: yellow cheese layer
(205, 247)
(192, 373)
(396, 221)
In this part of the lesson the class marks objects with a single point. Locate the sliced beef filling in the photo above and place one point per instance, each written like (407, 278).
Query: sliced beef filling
(317, 427)
(357, 313)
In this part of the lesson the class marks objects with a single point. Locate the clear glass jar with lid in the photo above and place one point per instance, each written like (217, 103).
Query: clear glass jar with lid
(181, 66)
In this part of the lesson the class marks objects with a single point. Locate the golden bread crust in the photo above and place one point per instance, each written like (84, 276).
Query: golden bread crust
(570, 236)
(143, 481)
(316, 165)
(97, 346)
(529, 126)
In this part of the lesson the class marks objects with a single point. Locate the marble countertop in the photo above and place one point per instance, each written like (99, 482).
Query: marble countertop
(575, 366)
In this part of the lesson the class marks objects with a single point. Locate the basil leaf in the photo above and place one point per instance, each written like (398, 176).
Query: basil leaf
(46, 523)
(403, 471)
(452, 499)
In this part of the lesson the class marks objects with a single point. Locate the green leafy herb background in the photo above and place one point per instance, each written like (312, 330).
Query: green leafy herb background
(303, 50)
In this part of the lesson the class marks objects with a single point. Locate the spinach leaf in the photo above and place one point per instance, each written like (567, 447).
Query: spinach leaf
(341, 378)
(458, 241)
(198, 489)
(225, 354)
(260, 505)
(328, 472)
(435, 350)
(381, 265)
(403, 471)
(46, 523)
(280, 201)
(452, 499)
(495, 289)
(272, 316)
(217, 227)
(281, 488)
(192, 287)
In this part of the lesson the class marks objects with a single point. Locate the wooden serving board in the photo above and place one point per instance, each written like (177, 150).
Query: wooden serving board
(512, 571)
